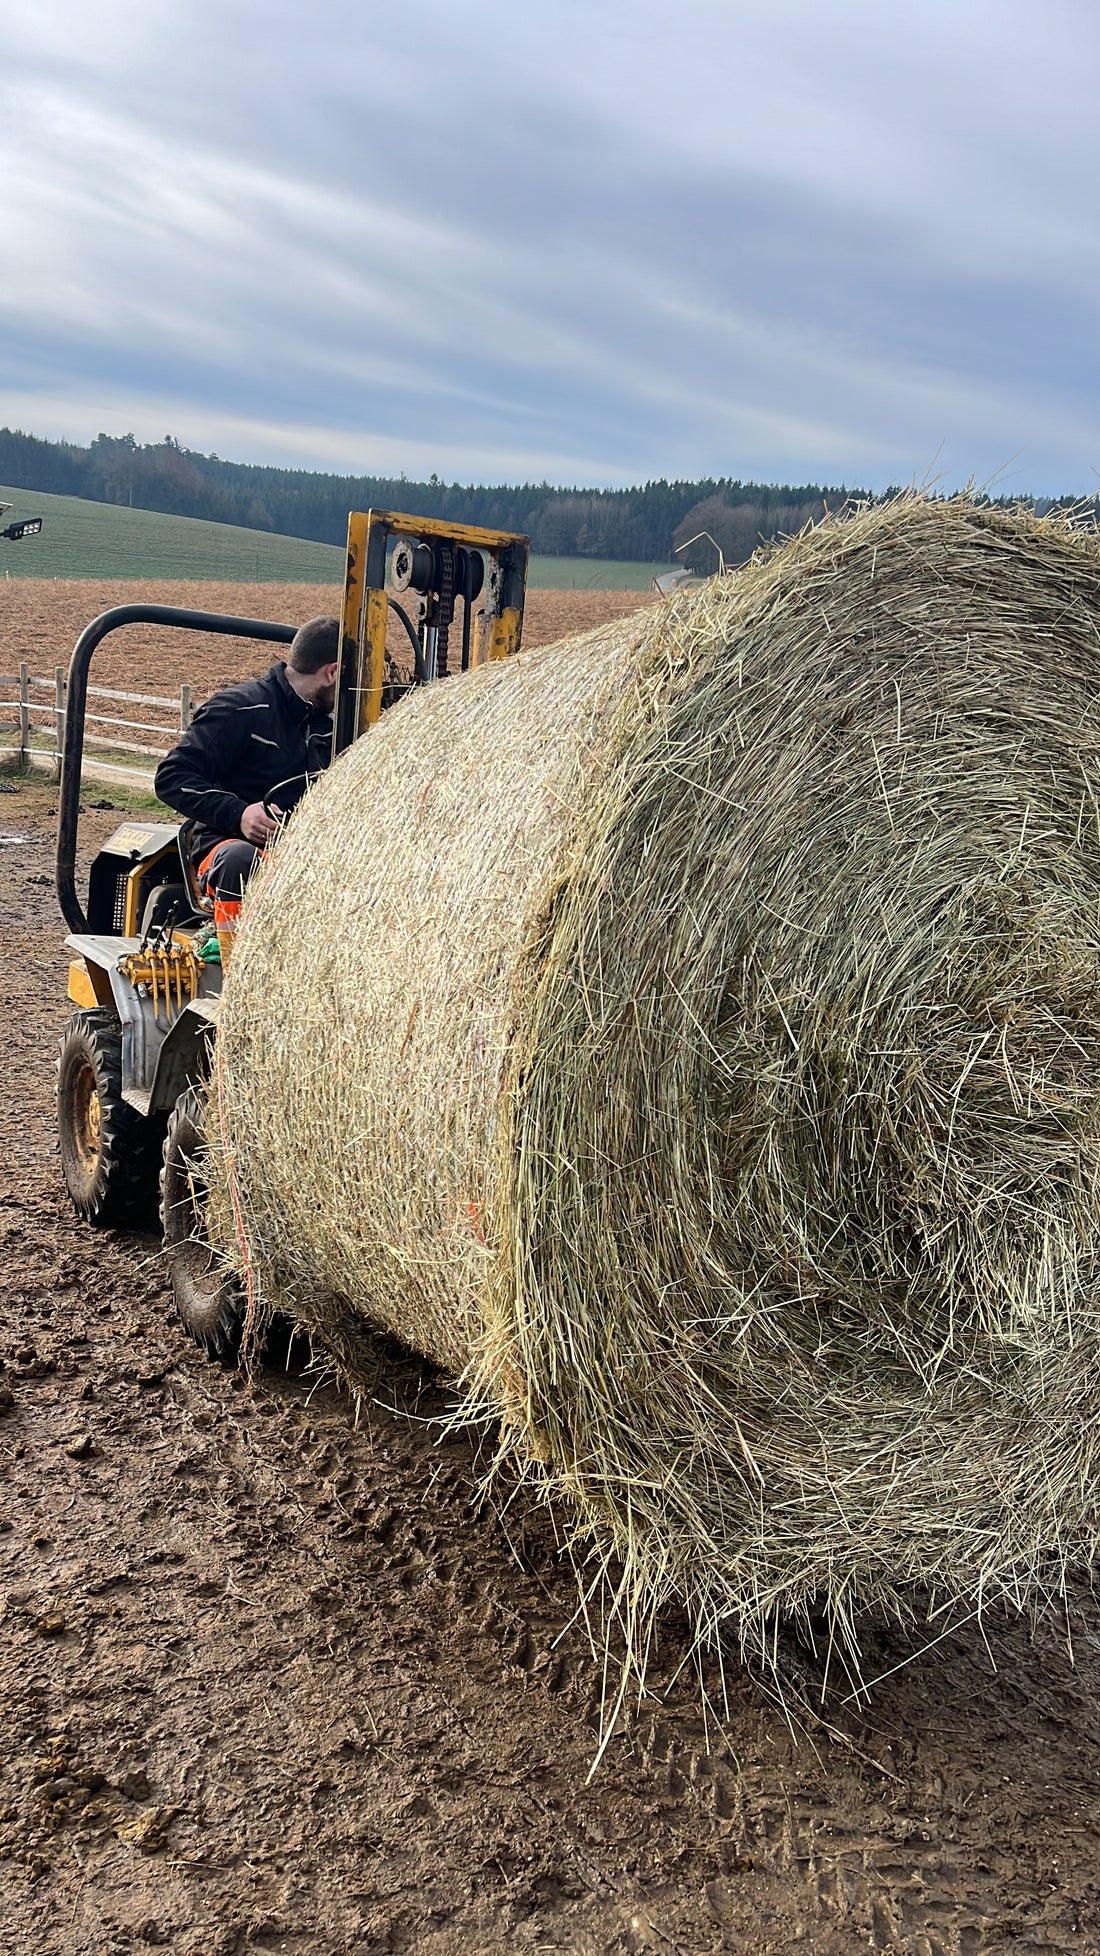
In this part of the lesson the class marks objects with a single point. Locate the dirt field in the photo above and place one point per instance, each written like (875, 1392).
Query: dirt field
(40, 621)
(272, 1683)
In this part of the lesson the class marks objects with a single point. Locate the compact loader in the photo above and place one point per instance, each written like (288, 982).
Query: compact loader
(146, 976)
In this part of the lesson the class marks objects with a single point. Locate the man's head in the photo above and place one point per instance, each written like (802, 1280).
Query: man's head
(312, 662)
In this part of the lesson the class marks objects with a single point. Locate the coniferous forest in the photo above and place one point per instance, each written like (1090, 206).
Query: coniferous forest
(645, 525)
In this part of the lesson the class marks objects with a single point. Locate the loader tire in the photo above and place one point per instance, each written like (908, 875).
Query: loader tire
(109, 1152)
(207, 1300)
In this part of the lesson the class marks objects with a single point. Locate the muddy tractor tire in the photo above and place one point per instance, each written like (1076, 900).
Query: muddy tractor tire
(109, 1152)
(207, 1299)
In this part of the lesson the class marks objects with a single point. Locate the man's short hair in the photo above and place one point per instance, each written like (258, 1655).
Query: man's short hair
(314, 645)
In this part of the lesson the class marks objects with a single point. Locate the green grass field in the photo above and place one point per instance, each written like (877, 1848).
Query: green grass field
(84, 539)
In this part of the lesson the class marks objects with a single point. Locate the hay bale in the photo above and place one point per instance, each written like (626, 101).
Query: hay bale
(690, 1033)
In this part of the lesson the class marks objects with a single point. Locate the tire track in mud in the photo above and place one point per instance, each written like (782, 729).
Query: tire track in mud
(270, 1681)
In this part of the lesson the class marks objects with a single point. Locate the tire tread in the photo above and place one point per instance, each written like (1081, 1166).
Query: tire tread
(124, 1185)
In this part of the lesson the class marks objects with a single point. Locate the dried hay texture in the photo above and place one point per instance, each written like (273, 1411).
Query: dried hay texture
(690, 1033)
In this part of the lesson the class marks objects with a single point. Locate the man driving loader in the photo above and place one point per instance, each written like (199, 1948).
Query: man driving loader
(247, 745)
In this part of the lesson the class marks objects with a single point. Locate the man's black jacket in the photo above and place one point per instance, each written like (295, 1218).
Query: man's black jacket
(242, 745)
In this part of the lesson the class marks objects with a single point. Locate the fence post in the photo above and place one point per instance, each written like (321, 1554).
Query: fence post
(60, 681)
(185, 708)
(24, 713)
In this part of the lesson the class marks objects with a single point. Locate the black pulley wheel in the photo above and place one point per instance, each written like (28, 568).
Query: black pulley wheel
(109, 1152)
(207, 1299)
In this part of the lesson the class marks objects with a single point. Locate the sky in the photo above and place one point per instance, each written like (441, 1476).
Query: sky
(579, 241)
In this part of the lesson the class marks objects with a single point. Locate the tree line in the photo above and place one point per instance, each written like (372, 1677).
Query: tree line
(692, 523)
(639, 525)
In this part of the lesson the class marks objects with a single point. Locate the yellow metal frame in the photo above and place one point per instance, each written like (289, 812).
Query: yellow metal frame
(81, 989)
(366, 608)
(131, 916)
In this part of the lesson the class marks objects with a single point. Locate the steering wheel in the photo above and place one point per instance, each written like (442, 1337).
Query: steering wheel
(280, 814)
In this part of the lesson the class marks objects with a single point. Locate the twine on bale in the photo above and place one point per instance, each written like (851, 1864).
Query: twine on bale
(690, 1035)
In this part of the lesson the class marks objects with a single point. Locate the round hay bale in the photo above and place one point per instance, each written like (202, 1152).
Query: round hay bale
(690, 1033)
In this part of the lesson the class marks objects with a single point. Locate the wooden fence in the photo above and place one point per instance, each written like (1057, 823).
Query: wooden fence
(32, 725)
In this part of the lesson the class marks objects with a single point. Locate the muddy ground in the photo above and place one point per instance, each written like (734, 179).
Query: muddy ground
(269, 1682)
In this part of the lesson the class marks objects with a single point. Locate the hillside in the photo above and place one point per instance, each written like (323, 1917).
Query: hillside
(83, 539)
(643, 524)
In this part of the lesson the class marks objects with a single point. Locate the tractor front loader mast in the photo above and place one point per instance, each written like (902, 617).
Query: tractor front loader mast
(436, 563)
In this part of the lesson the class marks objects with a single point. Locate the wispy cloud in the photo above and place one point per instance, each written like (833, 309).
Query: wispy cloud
(586, 242)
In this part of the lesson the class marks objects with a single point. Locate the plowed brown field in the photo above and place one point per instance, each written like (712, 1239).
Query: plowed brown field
(271, 1682)
(41, 620)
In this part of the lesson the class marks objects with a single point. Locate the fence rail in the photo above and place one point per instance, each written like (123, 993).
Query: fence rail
(33, 728)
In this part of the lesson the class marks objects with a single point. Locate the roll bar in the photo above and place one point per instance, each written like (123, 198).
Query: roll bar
(76, 703)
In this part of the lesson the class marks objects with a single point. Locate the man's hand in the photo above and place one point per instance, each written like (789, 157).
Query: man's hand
(257, 826)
